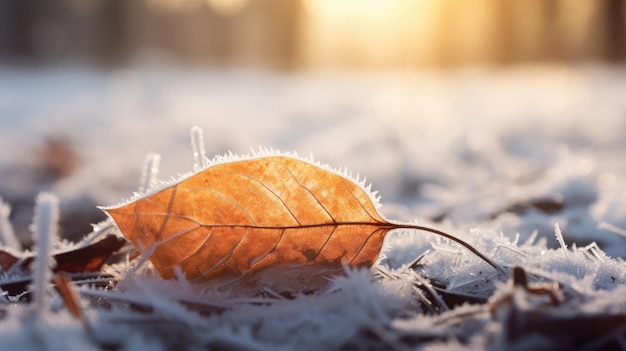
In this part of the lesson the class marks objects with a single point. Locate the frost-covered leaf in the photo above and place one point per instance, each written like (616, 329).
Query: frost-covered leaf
(276, 221)
(7, 260)
(88, 258)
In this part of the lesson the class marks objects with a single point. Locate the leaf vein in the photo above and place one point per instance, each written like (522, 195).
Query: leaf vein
(268, 189)
(230, 253)
(343, 181)
(204, 241)
(260, 257)
(325, 243)
(170, 204)
(307, 190)
(364, 244)
(226, 198)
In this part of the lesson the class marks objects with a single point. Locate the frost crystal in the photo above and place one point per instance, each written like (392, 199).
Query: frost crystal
(7, 234)
(45, 232)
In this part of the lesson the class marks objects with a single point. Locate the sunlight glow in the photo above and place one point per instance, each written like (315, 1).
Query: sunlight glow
(363, 32)
(366, 10)
(221, 7)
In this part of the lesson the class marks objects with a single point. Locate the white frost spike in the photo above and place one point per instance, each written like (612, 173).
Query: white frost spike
(7, 234)
(150, 172)
(197, 144)
(611, 228)
(559, 237)
(253, 154)
(45, 230)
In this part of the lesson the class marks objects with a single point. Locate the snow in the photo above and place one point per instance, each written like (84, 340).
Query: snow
(496, 158)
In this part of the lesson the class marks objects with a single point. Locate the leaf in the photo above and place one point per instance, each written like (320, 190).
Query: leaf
(86, 259)
(276, 221)
(7, 260)
(89, 258)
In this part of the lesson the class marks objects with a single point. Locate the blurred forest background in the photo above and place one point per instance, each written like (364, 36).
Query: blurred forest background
(303, 34)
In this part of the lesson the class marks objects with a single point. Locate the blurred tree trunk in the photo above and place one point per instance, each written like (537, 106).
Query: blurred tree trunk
(616, 38)
(268, 32)
(504, 45)
(444, 39)
(114, 48)
(552, 47)
(19, 28)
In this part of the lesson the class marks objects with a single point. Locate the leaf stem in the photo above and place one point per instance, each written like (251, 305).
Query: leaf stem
(453, 238)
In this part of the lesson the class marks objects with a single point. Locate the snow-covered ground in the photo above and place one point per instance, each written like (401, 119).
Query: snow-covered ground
(496, 158)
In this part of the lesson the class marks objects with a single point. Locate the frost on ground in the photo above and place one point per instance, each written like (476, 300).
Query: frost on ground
(497, 159)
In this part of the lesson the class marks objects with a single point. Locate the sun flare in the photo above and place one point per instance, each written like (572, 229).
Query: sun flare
(363, 32)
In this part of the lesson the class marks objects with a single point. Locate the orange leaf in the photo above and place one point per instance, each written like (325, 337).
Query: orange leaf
(276, 221)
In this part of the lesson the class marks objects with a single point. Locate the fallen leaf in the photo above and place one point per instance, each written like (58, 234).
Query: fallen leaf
(7, 260)
(276, 221)
(88, 258)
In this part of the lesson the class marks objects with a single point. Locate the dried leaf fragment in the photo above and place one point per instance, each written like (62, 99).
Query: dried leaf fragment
(89, 258)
